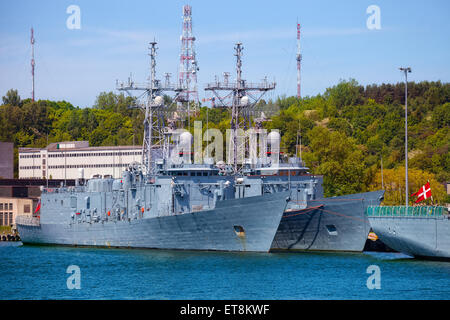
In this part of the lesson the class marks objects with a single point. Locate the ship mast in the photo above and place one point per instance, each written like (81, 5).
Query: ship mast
(299, 61)
(244, 96)
(154, 108)
(33, 63)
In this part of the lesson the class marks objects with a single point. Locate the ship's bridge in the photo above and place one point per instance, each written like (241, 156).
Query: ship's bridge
(193, 170)
(293, 167)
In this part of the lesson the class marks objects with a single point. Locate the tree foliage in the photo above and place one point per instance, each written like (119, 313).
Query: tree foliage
(348, 130)
(345, 132)
(394, 184)
(12, 98)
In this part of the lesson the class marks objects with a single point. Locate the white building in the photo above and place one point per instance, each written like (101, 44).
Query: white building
(65, 159)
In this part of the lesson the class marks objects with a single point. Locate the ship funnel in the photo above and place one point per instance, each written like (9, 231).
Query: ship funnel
(183, 146)
(273, 139)
(185, 139)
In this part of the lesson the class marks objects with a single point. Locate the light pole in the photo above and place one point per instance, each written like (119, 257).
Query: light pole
(406, 71)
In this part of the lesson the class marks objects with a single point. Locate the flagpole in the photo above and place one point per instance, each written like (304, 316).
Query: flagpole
(432, 201)
(405, 71)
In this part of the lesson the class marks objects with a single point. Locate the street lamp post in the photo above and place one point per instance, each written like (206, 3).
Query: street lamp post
(406, 71)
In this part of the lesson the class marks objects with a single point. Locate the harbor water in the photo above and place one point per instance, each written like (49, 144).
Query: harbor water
(42, 272)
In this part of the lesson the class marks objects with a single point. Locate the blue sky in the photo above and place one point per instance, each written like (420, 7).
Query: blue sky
(76, 65)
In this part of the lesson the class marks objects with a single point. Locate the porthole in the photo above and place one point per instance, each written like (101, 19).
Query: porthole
(239, 230)
(331, 228)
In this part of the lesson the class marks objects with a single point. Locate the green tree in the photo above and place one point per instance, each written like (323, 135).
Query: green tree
(338, 158)
(12, 98)
(346, 93)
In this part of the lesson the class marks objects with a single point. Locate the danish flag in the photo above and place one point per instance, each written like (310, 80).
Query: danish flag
(423, 193)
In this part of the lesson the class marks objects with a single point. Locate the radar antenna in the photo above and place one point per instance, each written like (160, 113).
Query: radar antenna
(244, 96)
(155, 111)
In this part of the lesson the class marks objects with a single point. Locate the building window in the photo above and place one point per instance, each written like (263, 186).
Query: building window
(10, 206)
(26, 208)
(1, 206)
(1, 218)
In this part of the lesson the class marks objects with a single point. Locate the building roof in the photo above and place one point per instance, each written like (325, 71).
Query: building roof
(76, 146)
(67, 145)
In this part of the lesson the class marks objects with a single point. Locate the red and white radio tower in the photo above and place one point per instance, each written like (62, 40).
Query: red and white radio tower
(299, 59)
(187, 76)
(32, 64)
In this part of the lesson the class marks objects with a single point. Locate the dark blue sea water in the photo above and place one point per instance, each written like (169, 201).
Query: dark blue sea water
(39, 272)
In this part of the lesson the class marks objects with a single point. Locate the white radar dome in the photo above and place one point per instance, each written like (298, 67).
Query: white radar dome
(159, 101)
(244, 101)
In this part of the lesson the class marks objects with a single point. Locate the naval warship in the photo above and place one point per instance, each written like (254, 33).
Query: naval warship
(184, 208)
(164, 203)
(310, 221)
(419, 231)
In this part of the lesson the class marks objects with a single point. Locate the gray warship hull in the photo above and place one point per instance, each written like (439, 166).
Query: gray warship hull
(247, 224)
(328, 224)
(424, 236)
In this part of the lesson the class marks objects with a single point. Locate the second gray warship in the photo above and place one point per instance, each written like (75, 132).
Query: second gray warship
(310, 222)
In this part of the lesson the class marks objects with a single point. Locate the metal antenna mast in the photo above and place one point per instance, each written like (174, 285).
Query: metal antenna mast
(406, 71)
(32, 64)
(187, 76)
(299, 135)
(299, 59)
(154, 127)
(240, 93)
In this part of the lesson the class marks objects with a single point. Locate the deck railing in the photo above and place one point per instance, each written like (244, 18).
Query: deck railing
(28, 221)
(400, 211)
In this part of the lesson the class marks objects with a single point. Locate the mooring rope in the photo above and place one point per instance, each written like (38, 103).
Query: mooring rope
(303, 212)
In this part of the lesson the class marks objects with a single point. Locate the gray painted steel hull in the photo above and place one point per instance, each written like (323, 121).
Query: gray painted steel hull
(328, 224)
(203, 230)
(425, 237)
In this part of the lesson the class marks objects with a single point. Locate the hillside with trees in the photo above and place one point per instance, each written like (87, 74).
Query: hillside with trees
(346, 132)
